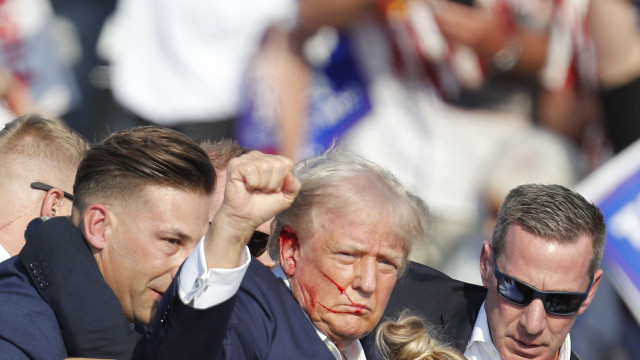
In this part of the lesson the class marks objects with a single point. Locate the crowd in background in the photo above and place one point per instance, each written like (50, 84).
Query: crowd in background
(462, 100)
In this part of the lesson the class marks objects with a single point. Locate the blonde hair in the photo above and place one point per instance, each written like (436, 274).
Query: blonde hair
(33, 136)
(409, 338)
(48, 147)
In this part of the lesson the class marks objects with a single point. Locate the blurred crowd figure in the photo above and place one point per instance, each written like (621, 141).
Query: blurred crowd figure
(462, 100)
(430, 89)
(34, 76)
(179, 64)
(616, 31)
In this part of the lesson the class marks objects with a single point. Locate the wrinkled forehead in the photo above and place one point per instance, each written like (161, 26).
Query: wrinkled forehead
(565, 266)
(370, 230)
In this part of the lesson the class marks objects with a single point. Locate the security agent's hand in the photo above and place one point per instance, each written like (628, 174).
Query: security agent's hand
(258, 187)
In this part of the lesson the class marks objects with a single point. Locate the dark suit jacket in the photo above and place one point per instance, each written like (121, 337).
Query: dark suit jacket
(28, 326)
(65, 274)
(261, 321)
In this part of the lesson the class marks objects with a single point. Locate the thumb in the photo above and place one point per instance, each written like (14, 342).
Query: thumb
(291, 186)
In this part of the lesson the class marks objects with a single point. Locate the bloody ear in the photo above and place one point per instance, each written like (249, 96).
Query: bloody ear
(289, 249)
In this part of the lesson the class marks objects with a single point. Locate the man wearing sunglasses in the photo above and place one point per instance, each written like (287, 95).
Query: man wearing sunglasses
(541, 270)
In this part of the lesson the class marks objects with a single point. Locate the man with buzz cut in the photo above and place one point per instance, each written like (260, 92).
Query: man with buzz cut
(38, 162)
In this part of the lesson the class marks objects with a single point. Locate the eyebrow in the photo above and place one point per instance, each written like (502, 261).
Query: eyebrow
(392, 256)
(358, 249)
(173, 231)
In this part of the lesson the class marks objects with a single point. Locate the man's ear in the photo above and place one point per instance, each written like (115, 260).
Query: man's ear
(95, 221)
(289, 250)
(485, 263)
(52, 203)
(596, 280)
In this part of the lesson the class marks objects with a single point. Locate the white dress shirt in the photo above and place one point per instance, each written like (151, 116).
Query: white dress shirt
(195, 284)
(195, 280)
(481, 347)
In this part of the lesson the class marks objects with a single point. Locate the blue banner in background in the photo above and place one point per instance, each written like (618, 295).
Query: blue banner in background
(622, 215)
(615, 188)
(338, 98)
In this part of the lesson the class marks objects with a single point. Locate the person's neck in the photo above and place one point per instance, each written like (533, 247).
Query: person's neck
(343, 345)
(12, 246)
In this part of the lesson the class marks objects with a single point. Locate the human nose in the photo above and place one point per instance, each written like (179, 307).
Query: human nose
(534, 317)
(365, 276)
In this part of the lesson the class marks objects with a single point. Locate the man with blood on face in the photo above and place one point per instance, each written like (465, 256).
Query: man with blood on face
(541, 270)
(342, 267)
(341, 245)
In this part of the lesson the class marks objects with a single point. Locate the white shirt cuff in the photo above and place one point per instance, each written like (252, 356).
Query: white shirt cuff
(203, 288)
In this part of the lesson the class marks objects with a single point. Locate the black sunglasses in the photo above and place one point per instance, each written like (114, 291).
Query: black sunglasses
(522, 294)
(45, 187)
(258, 243)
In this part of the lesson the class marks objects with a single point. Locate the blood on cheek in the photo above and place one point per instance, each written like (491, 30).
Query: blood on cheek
(342, 291)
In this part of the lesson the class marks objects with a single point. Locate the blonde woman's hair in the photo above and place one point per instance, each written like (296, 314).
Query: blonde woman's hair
(409, 338)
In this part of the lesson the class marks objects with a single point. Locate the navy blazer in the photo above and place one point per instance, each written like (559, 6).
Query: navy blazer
(28, 326)
(65, 274)
(261, 321)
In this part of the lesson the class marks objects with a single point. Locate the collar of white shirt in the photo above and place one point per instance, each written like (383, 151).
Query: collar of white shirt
(481, 347)
(4, 254)
(353, 352)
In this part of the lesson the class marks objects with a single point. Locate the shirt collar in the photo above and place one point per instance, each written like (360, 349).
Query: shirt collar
(481, 347)
(279, 273)
(4, 254)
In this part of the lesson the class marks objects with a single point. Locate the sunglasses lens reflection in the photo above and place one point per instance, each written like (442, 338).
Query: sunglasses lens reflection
(562, 304)
(521, 294)
(514, 291)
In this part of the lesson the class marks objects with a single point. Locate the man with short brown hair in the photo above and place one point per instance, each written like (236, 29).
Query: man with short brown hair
(542, 271)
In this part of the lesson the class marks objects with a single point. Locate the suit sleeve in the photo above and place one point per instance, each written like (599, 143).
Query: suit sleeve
(11, 351)
(183, 332)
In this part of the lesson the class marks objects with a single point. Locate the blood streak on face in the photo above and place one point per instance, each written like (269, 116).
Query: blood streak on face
(343, 292)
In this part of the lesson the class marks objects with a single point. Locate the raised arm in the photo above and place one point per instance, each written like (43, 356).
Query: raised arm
(258, 187)
(194, 326)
